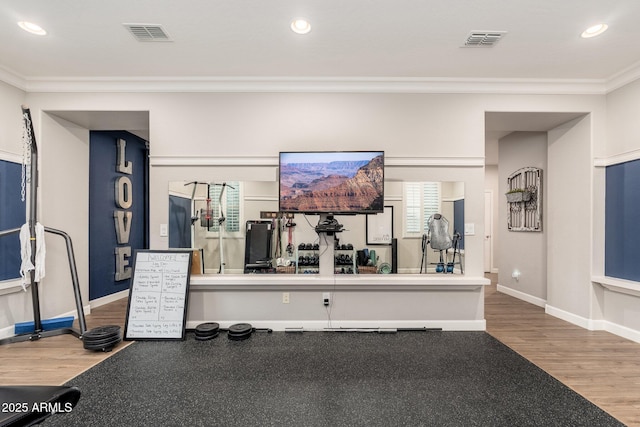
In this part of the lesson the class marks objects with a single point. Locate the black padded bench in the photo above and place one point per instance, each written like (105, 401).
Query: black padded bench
(30, 405)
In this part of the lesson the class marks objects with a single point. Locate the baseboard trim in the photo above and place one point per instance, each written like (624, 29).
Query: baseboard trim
(622, 331)
(521, 296)
(594, 325)
(583, 322)
(322, 325)
(98, 302)
(7, 332)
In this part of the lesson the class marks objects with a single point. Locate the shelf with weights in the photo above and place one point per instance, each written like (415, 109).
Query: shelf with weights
(345, 261)
(307, 258)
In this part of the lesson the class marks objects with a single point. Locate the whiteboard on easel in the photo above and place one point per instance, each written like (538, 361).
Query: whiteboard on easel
(158, 295)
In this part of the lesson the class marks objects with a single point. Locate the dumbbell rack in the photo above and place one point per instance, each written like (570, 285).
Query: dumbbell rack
(345, 259)
(313, 267)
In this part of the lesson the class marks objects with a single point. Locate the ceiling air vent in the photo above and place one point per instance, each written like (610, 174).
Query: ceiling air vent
(483, 38)
(148, 32)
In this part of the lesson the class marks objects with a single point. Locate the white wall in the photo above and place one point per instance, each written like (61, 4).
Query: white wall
(64, 205)
(11, 100)
(411, 126)
(519, 250)
(623, 126)
(569, 229)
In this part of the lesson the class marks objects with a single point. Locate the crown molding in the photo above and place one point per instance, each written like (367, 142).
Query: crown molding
(14, 79)
(236, 161)
(319, 85)
(272, 161)
(623, 77)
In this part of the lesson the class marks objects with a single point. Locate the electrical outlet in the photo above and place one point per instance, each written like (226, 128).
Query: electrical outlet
(164, 232)
(326, 298)
(285, 297)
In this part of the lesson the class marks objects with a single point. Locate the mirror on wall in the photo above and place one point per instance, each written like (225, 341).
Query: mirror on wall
(195, 212)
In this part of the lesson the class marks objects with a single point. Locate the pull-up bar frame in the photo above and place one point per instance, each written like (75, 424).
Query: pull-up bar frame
(38, 331)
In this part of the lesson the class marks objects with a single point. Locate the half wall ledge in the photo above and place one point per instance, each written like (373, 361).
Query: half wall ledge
(378, 282)
(622, 286)
(282, 302)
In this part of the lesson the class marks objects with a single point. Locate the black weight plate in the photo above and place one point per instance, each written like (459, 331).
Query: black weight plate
(95, 342)
(207, 337)
(239, 337)
(102, 346)
(207, 328)
(115, 338)
(240, 328)
(100, 335)
(104, 349)
(102, 332)
(208, 334)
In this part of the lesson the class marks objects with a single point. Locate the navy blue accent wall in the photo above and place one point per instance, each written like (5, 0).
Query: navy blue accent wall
(458, 220)
(12, 215)
(102, 197)
(622, 222)
(179, 222)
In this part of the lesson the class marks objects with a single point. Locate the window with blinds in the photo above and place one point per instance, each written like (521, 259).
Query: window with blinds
(421, 200)
(230, 206)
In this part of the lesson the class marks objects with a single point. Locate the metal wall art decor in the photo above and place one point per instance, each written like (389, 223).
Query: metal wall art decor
(524, 199)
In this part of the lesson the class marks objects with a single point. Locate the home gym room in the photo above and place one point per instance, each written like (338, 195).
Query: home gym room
(197, 137)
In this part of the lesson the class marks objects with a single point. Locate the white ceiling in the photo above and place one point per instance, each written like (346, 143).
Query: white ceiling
(400, 39)
(413, 45)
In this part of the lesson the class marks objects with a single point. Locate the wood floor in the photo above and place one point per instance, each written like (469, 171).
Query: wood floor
(55, 360)
(602, 367)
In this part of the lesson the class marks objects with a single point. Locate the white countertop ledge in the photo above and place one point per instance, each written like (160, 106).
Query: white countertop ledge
(360, 282)
(622, 286)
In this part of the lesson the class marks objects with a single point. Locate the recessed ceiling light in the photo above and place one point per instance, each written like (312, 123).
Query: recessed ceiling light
(32, 28)
(595, 30)
(300, 26)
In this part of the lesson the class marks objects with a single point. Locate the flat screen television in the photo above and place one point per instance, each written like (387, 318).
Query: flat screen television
(331, 182)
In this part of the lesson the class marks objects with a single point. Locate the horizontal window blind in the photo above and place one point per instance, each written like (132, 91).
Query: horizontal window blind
(421, 200)
(230, 206)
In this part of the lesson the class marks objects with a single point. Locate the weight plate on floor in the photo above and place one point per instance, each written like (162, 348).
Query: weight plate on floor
(210, 334)
(98, 342)
(206, 337)
(240, 328)
(239, 331)
(239, 337)
(207, 328)
(102, 332)
(103, 346)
